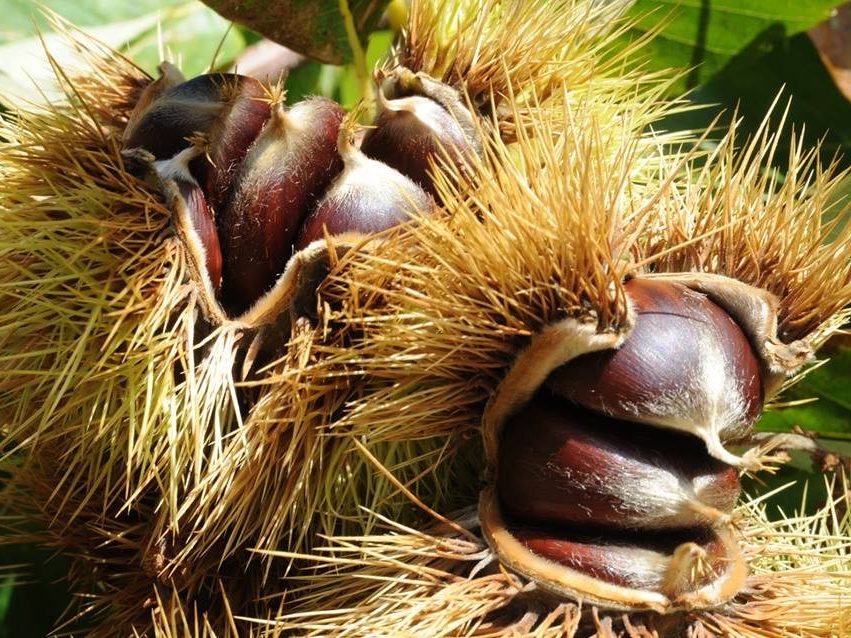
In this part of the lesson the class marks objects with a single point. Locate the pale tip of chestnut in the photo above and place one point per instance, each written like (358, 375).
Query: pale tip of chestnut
(688, 567)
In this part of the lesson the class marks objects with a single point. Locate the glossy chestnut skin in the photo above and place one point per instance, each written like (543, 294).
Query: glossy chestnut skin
(229, 139)
(367, 197)
(289, 166)
(561, 464)
(612, 485)
(649, 562)
(200, 217)
(685, 365)
(197, 107)
(412, 133)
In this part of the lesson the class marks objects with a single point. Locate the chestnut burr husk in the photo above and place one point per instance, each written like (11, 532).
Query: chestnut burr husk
(289, 166)
(561, 464)
(650, 562)
(611, 484)
(686, 365)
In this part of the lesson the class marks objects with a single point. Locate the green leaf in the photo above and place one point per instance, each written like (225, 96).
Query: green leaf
(830, 414)
(21, 17)
(304, 80)
(189, 31)
(738, 55)
(770, 65)
(34, 593)
(704, 35)
(316, 28)
(338, 83)
(7, 586)
(192, 36)
(800, 488)
(378, 48)
(839, 210)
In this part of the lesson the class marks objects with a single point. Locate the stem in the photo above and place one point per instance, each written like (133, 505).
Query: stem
(359, 55)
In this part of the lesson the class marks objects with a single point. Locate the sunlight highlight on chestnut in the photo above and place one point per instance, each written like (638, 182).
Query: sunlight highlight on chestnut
(672, 564)
(561, 464)
(196, 107)
(367, 197)
(412, 134)
(289, 166)
(686, 365)
(201, 217)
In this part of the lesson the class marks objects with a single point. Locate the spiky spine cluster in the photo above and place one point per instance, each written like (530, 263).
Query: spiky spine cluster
(733, 216)
(134, 435)
(437, 314)
(432, 583)
(424, 311)
(505, 56)
(116, 392)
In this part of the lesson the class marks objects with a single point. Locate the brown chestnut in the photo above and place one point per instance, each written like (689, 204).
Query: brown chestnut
(170, 77)
(412, 134)
(228, 140)
(217, 105)
(561, 464)
(686, 365)
(367, 197)
(671, 564)
(289, 166)
(663, 571)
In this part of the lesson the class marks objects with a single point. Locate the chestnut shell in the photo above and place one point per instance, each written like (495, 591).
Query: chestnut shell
(204, 225)
(413, 138)
(192, 107)
(559, 463)
(290, 165)
(686, 365)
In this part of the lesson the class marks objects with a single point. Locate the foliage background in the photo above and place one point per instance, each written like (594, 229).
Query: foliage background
(739, 55)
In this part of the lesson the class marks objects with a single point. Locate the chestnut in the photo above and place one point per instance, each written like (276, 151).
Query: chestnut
(224, 106)
(200, 217)
(413, 134)
(287, 168)
(367, 197)
(228, 140)
(561, 464)
(170, 77)
(686, 365)
(663, 571)
(671, 564)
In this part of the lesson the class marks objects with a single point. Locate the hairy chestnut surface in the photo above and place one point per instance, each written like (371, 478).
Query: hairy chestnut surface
(559, 463)
(222, 102)
(228, 140)
(289, 166)
(367, 197)
(204, 223)
(411, 134)
(686, 365)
